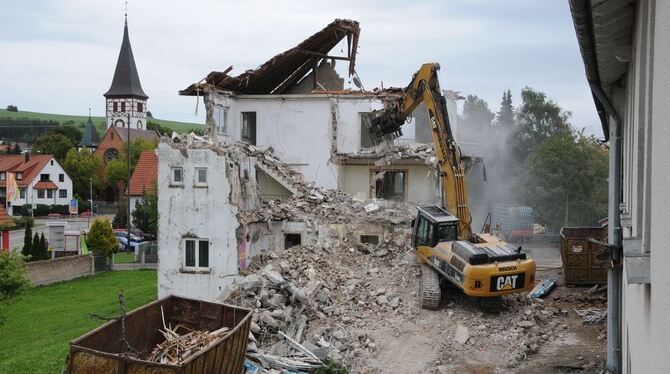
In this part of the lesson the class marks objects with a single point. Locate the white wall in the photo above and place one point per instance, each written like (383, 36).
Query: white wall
(202, 212)
(646, 187)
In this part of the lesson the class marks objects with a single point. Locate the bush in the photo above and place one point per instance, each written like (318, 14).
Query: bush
(13, 280)
(12, 108)
(101, 239)
(43, 210)
(22, 222)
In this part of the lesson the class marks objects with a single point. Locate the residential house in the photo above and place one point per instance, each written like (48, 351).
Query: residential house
(40, 178)
(144, 178)
(625, 46)
(296, 103)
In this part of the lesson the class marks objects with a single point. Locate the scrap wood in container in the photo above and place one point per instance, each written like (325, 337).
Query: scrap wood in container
(181, 343)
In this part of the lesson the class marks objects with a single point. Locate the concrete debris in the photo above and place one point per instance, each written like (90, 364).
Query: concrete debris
(462, 334)
(592, 315)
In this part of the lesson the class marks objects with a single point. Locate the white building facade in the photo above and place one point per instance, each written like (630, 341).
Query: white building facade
(626, 47)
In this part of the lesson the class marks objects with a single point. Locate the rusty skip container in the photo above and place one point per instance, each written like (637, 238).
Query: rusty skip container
(100, 350)
(581, 265)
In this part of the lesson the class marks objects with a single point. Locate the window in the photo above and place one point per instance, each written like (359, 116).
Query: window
(366, 140)
(139, 125)
(22, 193)
(447, 232)
(19, 176)
(291, 240)
(50, 194)
(40, 194)
(116, 107)
(221, 119)
(44, 177)
(140, 107)
(123, 106)
(424, 232)
(177, 176)
(61, 177)
(390, 186)
(249, 127)
(196, 254)
(62, 194)
(200, 176)
(111, 154)
(52, 162)
(3, 176)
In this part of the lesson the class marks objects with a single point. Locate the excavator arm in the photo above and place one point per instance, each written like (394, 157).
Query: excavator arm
(425, 88)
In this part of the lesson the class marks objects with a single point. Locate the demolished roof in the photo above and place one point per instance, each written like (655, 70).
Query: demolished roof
(287, 68)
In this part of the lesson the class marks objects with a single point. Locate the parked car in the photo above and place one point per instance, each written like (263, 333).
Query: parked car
(123, 244)
(124, 234)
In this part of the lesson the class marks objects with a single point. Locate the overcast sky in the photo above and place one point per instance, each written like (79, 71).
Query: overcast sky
(59, 56)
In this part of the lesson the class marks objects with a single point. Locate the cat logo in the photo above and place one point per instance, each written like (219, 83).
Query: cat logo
(507, 282)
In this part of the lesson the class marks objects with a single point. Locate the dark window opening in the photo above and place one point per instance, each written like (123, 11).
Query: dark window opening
(366, 140)
(44, 177)
(391, 186)
(447, 232)
(140, 107)
(116, 107)
(292, 239)
(62, 194)
(61, 177)
(369, 239)
(40, 194)
(50, 194)
(249, 127)
(123, 107)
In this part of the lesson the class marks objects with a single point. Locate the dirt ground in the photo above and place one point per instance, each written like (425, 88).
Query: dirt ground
(424, 342)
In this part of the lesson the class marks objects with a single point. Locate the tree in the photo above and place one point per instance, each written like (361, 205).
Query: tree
(538, 119)
(149, 115)
(81, 166)
(145, 215)
(12, 108)
(151, 125)
(36, 251)
(505, 116)
(27, 237)
(116, 171)
(136, 149)
(54, 144)
(101, 239)
(476, 112)
(44, 246)
(568, 181)
(70, 130)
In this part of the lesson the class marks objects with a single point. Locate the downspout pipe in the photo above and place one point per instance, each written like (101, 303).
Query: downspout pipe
(614, 235)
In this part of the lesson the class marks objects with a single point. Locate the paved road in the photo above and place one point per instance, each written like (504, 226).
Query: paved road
(16, 236)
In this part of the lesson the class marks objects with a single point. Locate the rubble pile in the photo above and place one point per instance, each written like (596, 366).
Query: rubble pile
(325, 296)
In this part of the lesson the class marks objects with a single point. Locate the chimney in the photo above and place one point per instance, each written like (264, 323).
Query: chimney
(26, 157)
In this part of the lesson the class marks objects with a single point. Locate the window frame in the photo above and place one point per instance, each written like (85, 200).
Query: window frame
(173, 182)
(50, 194)
(19, 175)
(61, 177)
(362, 128)
(196, 176)
(22, 193)
(3, 176)
(375, 192)
(40, 192)
(221, 119)
(197, 266)
(60, 194)
(48, 177)
(248, 134)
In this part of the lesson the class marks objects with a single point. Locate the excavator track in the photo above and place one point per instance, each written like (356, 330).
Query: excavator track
(430, 288)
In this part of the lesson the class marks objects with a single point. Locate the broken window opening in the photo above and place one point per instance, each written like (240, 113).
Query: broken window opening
(249, 127)
(365, 139)
(369, 239)
(291, 240)
(196, 259)
(391, 186)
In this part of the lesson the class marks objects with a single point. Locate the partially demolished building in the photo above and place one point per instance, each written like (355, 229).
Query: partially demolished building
(227, 197)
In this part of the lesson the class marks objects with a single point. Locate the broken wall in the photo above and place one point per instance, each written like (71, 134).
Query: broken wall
(195, 211)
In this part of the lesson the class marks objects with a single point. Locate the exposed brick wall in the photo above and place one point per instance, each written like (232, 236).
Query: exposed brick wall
(60, 269)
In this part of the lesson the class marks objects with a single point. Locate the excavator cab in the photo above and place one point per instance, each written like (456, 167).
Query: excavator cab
(433, 225)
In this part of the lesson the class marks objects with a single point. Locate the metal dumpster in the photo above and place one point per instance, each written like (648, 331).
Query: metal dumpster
(100, 351)
(581, 266)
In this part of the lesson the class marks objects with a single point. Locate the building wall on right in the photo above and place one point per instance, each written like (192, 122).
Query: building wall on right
(643, 106)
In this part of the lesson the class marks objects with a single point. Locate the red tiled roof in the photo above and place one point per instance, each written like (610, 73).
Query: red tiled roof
(30, 169)
(145, 175)
(45, 185)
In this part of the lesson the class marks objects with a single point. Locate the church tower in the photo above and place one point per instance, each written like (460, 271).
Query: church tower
(126, 96)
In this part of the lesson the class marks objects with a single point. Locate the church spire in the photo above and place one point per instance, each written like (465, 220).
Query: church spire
(126, 81)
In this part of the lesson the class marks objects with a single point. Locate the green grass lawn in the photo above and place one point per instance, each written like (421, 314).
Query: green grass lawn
(40, 324)
(124, 257)
(98, 121)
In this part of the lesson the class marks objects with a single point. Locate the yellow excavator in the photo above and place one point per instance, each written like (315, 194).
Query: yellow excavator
(481, 265)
